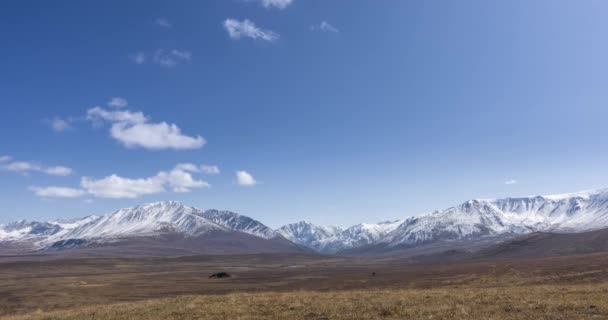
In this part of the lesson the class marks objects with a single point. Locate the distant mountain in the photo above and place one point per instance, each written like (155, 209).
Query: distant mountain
(575, 212)
(20, 230)
(472, 223)
(321, 239)
(237, 222)
(472, 220)
(164, 227)
(335, 239)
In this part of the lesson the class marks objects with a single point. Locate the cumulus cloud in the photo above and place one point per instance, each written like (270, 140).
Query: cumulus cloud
(57, 192)
(116, 187)
(163, 22)
(7, 164)
(178, 179)
(171, 58)
(239, 29)
(243, 178)
(324, 26)
(133, 129)
(118, 102)
(138, 58)
(280, 4)
(509, 182)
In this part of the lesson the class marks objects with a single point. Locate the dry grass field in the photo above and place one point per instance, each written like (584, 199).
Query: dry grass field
(528, 302)
(304, 287)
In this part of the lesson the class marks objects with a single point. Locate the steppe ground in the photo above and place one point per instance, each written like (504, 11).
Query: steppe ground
(303, 287)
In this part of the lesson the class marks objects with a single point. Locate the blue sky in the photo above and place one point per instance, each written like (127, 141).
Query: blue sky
(336, 112)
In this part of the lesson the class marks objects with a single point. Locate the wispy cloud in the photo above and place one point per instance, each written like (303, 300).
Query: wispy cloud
(163, 57)
(57, 192)
(171, 58)
(163, 22)
(7, 164)
(509, 182)
(58, 124)
(324, 26)
(280, 4)
(210, 169)
(133, 129)
(57, 171)
(178, 179)
(118, 102)
(138, 58)
(244, 178)
(246, 29)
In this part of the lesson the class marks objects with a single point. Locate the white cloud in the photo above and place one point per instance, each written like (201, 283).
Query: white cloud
(118, 102)
(133, 129)
(171, 58)
(22, 166)
(118, 187)
(509, 182)
(178, 179)
(163, 22)
(57, 192)
(325, 26)
(203, 168)
(58, 171)
(60, 125)
(26, 166)
(243, 178)
(239, 29)
(188, 167)
(210, 169)
(98, 113)
(138, 58)
(280, 4)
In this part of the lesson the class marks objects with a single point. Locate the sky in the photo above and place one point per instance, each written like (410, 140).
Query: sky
(335, 112)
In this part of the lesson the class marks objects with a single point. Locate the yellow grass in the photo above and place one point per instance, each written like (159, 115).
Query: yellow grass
(589, 301)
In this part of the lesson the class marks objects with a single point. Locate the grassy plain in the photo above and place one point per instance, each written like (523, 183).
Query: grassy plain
(304, 287)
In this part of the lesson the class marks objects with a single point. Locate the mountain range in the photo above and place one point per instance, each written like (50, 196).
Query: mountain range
(172, 228)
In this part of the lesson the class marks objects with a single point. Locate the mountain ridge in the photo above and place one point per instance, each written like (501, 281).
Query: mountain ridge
(471, 220)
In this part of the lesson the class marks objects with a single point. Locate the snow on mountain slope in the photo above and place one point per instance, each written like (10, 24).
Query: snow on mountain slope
(573, 212)
(240, 223)
(322, 239)
(144, 220)
(23, 230)
(473, 219)
(73, 223)
(367, 233)
(334, 239)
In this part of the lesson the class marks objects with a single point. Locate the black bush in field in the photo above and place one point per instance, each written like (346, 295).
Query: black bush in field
(220, 275)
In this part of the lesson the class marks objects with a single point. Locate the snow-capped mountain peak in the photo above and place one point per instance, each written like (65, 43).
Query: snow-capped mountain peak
(240, 223)
(333, 239)
(573, 212)
(143, 220)
(470, 220)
